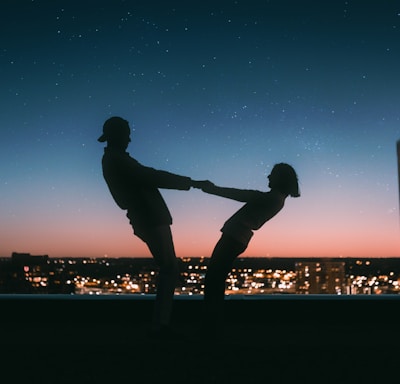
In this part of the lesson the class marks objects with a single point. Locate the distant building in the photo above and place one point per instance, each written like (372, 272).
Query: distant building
(320, 277)
(25, 273)
(30, 273)
(27, 258)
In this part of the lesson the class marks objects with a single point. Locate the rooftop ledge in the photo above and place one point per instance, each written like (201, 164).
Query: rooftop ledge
(243, 309)
(251, 321)
(135, 297)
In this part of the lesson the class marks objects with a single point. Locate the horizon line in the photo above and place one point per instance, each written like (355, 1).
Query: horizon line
(201, 257)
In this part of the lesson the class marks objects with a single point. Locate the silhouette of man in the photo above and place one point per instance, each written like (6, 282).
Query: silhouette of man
(134, 188)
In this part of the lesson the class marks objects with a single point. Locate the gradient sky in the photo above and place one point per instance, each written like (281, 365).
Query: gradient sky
(218, 90)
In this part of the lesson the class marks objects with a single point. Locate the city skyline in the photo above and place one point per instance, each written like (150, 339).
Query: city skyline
(213, 90)
(28, 274)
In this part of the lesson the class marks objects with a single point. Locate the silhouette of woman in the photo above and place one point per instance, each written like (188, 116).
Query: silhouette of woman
(237, 232)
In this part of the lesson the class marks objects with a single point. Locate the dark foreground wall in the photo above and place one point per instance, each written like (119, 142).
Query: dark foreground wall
(279, 339)
(28, 311)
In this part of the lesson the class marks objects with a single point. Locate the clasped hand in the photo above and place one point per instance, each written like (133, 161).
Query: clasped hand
(202, 184)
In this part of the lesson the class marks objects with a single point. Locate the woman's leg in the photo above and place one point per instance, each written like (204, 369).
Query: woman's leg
(225, 252)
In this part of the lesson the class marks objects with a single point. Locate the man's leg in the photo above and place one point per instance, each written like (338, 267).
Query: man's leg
(161, 246)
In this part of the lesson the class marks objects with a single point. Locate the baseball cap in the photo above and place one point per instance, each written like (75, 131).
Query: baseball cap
(113, 127)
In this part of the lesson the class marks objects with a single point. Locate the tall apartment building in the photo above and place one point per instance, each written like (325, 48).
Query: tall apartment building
(320, 277)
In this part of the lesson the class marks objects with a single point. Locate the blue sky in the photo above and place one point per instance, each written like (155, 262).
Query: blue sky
(213, 90)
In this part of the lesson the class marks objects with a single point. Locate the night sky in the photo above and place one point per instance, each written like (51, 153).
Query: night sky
(218, 90)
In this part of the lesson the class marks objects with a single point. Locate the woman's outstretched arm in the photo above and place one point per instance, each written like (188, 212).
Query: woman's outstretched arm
(243, 195)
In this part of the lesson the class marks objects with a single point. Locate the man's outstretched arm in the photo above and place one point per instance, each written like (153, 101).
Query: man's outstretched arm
(166, 180)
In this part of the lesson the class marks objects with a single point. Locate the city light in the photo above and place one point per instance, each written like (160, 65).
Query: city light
(249, 276)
